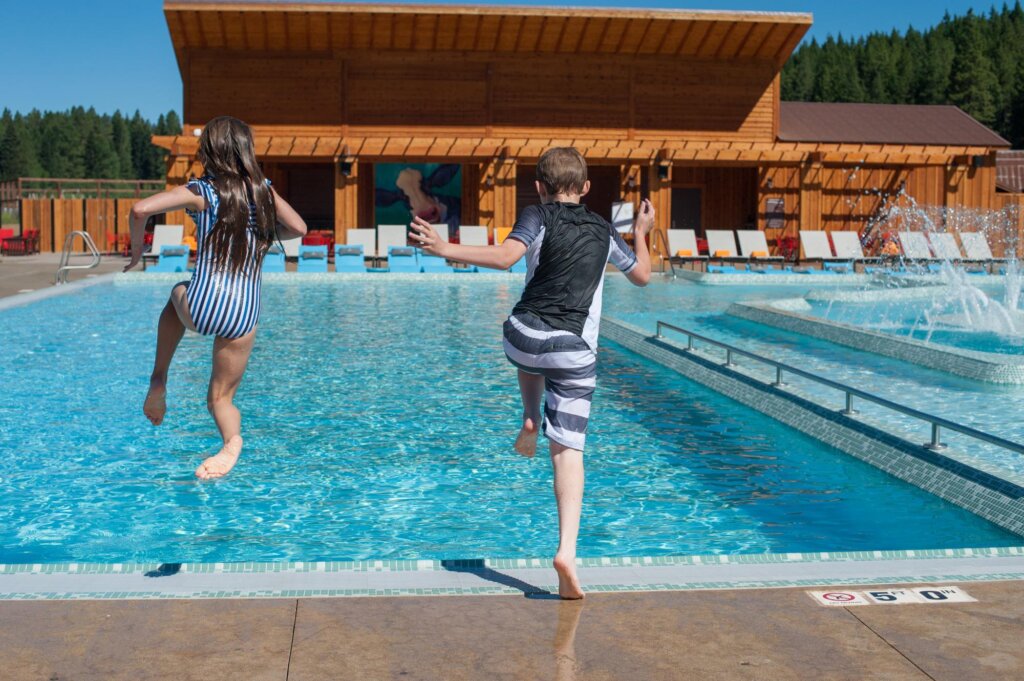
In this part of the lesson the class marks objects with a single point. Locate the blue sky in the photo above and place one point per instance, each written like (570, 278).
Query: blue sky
(116, 54)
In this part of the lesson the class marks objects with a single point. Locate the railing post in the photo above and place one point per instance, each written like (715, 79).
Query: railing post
(936, 441)
(778, 378)
(689, 343)
(849, 411)
(657, 330)
(728, 358)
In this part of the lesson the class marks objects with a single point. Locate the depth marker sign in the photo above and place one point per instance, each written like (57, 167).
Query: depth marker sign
(917, 595)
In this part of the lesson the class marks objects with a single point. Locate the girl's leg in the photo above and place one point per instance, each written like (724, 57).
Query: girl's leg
(174, 320)
(230, 357)
(568, 465)
(531, 389)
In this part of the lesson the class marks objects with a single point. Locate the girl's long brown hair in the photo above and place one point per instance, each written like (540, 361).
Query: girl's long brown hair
(227, 154)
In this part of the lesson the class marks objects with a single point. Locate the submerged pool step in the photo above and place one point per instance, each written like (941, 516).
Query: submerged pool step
(992, 494)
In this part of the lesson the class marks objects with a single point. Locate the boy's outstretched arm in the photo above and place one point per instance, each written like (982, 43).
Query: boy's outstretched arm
(641, 274)
(500, 257)
(174, 199)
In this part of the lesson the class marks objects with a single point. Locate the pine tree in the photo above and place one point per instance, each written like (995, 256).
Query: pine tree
(100, 159)
(972, 83)
(122, 146)
(16, 154)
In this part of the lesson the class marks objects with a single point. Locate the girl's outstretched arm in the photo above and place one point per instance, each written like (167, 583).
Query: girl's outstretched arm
(290, 223)
(179, 198)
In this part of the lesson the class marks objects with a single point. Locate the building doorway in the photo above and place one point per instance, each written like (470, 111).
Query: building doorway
(604, 188)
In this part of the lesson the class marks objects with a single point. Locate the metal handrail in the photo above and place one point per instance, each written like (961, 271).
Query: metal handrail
(936, 422)
(63, 267)
(666, 254)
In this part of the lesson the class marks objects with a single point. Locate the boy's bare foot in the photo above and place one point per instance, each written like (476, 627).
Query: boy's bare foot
(568, 584)
(221, 463)
(155, 405)
(526, 442)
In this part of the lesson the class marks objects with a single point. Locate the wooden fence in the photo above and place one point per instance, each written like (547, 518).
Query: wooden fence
(106, 221)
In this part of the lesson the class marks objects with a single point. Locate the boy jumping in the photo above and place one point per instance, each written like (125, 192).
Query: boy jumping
(552, 333)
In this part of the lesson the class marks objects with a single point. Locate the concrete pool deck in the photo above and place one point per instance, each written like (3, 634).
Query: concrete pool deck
(749, 634)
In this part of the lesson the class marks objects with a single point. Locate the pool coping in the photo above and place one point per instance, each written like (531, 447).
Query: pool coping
(989, 367)
(531, 577)
(19, 299)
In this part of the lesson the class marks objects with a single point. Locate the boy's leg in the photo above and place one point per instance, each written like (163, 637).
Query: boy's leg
(170, 329)
(568, 466)
(531, 389)
(230, 357)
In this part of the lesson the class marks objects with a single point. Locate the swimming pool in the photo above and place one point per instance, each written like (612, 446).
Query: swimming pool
(379, 418)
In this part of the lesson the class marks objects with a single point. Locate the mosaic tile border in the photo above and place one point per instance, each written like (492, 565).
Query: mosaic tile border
(990, 367)
(272, 278)
(542, 590)
(512, 563)
(984, 493)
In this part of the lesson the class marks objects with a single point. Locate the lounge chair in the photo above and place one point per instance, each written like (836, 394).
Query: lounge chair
(163, 235)
(754, 246)
(367, 238)
(977, 249)
(473, 235)
(434, 264)
(403, 259)
(722, 246)
(915, 247)
(682, 247)
(848, 247)
(171, 259)
(388, 237)
(500, 234)
(312, 258)
(814, 247)
(945, 247)
(273, 261)
(291, 247)
(349, 258)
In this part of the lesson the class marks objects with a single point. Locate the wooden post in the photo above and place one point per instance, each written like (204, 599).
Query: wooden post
(630, 173)
(496, 205)
(810, 193)
(346, 199)
(661, 198)
(179, 168)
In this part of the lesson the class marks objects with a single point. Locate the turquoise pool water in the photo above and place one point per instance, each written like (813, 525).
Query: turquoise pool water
(986, 406)
(379, 418)
(921, 320)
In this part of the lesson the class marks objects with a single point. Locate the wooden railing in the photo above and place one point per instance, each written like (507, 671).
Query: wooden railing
(72, 188)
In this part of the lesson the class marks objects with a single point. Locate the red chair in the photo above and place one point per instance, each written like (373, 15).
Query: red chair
(5, 234)
(26, 244)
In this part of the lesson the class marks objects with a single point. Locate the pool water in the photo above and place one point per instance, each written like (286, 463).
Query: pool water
(379, 418)
(910, 319)
(989, 407)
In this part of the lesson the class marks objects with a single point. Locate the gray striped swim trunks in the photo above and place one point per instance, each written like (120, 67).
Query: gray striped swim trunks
(569, 368)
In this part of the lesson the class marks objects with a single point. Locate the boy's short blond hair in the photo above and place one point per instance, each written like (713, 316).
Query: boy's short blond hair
(562, 170)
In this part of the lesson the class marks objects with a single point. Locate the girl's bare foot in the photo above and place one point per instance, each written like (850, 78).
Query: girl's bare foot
(568, 584)
(155, 405)
(526, 442)
(221, 463)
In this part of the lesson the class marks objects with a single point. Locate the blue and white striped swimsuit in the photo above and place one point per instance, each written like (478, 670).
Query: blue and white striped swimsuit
(221, 303)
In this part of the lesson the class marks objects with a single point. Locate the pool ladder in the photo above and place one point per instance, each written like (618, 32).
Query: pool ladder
(65, 255)
(656, 233)
(937, 423)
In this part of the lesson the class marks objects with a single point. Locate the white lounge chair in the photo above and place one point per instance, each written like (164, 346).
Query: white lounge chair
(848, 247)
(367, 238)
(915, 246)
(976, 247)
(722, 245)
(682, 247)
(390, 236)
(472, 235)
(291, 247)
(944, 246)
(754, 245)
(163, 235)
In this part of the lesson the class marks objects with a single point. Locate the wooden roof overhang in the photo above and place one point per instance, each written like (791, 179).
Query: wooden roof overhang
(336, 27)
(328, 146)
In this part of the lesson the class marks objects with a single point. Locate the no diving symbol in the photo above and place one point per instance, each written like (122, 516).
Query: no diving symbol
(838, 597)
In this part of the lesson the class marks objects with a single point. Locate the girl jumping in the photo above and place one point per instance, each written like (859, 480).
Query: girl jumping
(238, 216)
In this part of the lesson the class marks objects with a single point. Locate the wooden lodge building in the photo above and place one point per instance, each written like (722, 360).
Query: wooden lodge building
(680, 106)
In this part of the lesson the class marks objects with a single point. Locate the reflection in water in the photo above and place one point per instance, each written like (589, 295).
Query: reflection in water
(567, 666)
